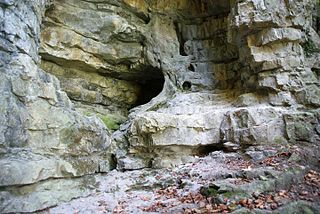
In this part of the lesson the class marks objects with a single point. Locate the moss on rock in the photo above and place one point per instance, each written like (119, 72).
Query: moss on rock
(112, 122)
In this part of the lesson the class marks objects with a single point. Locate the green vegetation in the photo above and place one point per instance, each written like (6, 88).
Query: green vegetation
(279, 140)
(112, 122)
(310, 48)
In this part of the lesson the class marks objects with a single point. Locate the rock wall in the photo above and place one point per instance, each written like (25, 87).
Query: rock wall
(245, 72)
(43, 141)
(97, 52)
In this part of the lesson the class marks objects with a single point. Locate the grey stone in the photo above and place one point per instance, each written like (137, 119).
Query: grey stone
(132, 163)
(45, 194)
(238, 71)
(300, 126)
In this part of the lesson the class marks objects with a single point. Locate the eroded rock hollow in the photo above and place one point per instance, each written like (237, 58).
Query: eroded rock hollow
(91, 86)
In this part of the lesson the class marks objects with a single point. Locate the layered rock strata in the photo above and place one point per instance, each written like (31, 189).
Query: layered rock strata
(42, 137)
(245, 72)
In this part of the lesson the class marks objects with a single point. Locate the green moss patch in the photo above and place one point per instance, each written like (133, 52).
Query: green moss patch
(111, 121)
(310, 48)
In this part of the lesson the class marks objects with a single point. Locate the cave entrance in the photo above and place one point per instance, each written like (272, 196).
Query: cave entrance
(151, 85)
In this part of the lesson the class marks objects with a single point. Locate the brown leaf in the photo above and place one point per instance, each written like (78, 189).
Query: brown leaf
(223, 207)
(202, 204)
(273, 206)
(209, 207)
(251, 206)
(243, 202)
(258, 201)
(269, 199)
(282, 193)
(145, 198)
(304, 193)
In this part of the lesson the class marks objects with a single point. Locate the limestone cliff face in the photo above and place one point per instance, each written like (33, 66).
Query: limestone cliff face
(239, 71)
(41, 135)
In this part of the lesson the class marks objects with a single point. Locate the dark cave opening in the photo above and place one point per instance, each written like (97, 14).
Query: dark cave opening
(150, 88)
(191, 68)
(186, 85)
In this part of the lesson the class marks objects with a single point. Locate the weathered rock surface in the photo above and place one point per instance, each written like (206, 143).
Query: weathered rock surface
(243, 72)
(243, 76)
(97, 52)
(39, 196)
(219, 178)
(41, 135)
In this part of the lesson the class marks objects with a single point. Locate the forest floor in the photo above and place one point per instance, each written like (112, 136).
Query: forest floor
(261, 179)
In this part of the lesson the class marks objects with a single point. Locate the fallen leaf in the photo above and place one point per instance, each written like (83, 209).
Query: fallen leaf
(145, 198)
